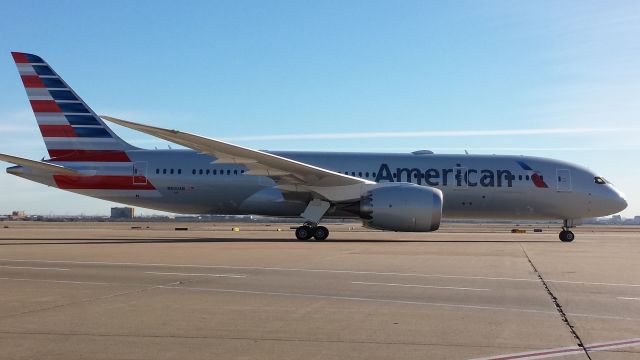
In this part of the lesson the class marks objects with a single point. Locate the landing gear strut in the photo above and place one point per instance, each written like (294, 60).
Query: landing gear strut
(306, 232)
(312, 214)
(567, 235)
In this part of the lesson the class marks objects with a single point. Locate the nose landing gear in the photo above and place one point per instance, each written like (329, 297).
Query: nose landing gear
(566, 235)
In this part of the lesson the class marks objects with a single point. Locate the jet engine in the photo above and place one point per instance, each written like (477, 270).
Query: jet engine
(402, 207)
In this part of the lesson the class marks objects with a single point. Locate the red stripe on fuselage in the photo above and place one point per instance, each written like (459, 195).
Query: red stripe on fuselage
(103, 182)
(32, 81)
(57, 131)
(44, 106)
(89, 155)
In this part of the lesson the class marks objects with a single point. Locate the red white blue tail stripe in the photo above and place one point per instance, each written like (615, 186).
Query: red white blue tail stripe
(71, 130)
(76, 137)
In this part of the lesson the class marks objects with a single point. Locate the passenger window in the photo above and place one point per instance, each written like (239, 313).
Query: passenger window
(157, 171)
(171, 171)
(241, 171)
(193, 171)
(366, 174)
(520, 177)
(200, 171)
(235, 172)
(360, 173)
(179, 171)
(208, 171)
(164, 171)
(600, 181)
(215, 172)
(228, 172)
(373, 174)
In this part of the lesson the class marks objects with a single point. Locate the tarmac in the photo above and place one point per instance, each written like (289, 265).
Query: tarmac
(147, 291)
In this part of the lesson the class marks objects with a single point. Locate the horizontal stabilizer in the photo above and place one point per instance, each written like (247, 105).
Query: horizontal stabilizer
(57, 169)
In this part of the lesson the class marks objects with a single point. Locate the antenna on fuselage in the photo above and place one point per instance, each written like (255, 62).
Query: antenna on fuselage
(466, 152)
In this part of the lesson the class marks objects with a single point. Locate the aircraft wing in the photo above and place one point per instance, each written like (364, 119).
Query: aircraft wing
(284, 171)
(57, 169)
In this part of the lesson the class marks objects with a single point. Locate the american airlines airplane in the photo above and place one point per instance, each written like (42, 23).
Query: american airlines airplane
(395, 192)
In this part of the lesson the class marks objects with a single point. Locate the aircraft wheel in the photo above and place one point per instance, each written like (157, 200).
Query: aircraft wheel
(321, 233)
(566, 236)
(304, 232)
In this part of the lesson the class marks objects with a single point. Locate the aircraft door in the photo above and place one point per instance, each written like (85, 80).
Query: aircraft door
(140, 173)
(564, 180)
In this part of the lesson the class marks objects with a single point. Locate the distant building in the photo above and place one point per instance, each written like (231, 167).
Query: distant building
(616, 219)
(18, 215)
(122, 212)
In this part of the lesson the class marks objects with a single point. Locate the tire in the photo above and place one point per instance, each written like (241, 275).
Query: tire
(321, 233)
(304, 233)
(566, 236)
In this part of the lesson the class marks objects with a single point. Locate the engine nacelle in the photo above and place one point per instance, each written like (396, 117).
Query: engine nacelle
(402, 207)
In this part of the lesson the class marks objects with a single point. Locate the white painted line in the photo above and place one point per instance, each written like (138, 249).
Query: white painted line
(316, 270)
(62, 281)
(419, 286)
(358, 299)
(184, 274)
(591, 283)
(564, 351)
(32, 268)
(272, 269)
(628, 298)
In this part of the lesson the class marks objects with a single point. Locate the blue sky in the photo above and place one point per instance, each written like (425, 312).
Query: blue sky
(416, 74)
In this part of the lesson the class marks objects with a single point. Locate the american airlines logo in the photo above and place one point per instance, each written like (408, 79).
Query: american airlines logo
(458, 176)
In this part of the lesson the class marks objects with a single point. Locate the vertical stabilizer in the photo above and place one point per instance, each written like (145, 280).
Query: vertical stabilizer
(71, 130)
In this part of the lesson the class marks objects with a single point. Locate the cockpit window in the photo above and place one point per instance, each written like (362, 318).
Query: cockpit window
(599, 180)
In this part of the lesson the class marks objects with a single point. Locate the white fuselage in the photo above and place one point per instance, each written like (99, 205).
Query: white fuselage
(473, 186)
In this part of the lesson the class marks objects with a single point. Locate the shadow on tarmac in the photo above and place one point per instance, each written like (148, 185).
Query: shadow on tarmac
(88, 241)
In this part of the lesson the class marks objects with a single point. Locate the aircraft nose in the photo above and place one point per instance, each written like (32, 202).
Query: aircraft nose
(617, 201)
(622, 203)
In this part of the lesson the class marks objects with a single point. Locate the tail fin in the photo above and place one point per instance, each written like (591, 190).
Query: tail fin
(71, 130)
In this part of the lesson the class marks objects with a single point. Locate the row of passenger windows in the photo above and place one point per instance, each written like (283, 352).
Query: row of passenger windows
(200, 171)
(352, 173)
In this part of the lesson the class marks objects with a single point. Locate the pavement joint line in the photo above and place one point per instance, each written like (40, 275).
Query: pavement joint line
(32, 268)
(187, 274)
(315, 270)
(419, 286)
(628, 298)
(558, 306)
(482, 346)
(87, 299)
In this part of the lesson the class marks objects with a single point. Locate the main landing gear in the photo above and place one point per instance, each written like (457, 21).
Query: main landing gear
(312, 214)
(306, 232)
(566, 235)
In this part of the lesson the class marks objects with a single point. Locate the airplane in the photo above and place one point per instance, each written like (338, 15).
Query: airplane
(409, 192)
